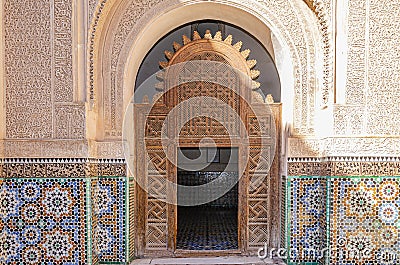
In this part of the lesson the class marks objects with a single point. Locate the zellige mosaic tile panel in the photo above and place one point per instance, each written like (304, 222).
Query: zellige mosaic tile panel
(110, 209)
(365, 220)
(43, 220)
(306, 225)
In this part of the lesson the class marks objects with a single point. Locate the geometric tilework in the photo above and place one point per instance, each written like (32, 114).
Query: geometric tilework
(306, 226)
(110, 209)
(363, 225)
(52, 211)
(365, 220)
(93, 221)
(283, 212)
(43, 220)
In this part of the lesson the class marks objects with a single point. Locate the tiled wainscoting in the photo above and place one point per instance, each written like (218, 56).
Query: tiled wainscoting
(305, 217)
(350, 214)
(76, 212)
(63, 212)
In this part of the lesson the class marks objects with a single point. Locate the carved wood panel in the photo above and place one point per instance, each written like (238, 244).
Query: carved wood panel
(237, 122)
(257, 204)
(156, 207)
(258, 192)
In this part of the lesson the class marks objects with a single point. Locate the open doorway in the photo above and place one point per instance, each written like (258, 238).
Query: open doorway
(207, 216)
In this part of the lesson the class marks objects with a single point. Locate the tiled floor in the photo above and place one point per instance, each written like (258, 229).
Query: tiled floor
(206, 228)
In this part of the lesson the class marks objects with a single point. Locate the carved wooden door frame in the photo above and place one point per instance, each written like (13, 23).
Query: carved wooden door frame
(259, 186)
(245, 243)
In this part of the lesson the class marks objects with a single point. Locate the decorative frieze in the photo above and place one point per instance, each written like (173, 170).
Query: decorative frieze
(112, 149)
(63, 148)
(345, 166)
(61, 168)
(304, 169)
(44, 148)
(342, 146)
(304, 147)
(362, 146)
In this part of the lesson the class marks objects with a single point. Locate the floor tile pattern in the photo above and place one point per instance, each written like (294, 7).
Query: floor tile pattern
(219, 180)
(206, 228)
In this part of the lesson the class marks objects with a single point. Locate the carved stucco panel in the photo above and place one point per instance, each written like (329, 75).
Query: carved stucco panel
(298, 147)
(371, 115)
(324, 10)
(70, 121)
(130, 23)
(383, 68)
(373, 146)
(344, 146)
(113, 149)
(45, 148)
(357, 60)
(91, 9)
(62, 55)
(38, 66)
(303, 47)
(283, 20)
(301, 41)
(28, 72)
(349, 120)
(372, 67)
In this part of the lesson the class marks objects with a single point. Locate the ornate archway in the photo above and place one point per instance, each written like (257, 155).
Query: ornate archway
(206, 91)
(122, 32)
(127, 31)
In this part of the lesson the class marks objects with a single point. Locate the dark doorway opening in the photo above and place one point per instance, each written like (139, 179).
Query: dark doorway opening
(207, 216)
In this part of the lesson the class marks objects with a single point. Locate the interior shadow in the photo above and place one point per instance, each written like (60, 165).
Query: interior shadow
(212, 225)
